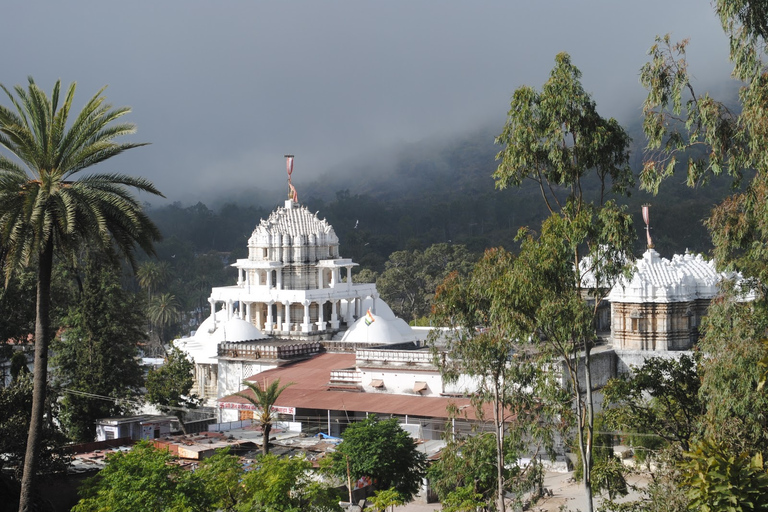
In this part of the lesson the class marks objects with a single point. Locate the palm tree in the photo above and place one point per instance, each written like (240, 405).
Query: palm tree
(264, 399)
(163, 310)
(48, 208)
(152, 275)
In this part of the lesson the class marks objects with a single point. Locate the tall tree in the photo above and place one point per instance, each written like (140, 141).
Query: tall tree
(489, 341)
(557, 139)
(152, 275)
(97, 352)
(263, 399)
(48, 206)
(704, 137)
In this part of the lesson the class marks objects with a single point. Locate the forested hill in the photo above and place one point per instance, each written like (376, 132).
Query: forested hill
(430, 192)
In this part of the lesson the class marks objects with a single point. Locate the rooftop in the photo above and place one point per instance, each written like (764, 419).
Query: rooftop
(310, 390)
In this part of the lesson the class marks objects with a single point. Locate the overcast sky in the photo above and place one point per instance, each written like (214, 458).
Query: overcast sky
(223, 89)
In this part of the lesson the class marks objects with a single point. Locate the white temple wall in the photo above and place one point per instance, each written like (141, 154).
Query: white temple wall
(232, 373)
(401, 382)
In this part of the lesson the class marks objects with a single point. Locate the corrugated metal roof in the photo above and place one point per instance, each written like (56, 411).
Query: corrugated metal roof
(310, 391)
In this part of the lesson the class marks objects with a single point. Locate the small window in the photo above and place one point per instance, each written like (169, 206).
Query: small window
(377, 383)
(419, 386)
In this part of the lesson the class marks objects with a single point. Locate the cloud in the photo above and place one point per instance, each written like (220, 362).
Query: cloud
(224, 89)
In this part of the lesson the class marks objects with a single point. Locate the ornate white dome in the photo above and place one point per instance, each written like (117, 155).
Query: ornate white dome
(656, 279)
(290, 225)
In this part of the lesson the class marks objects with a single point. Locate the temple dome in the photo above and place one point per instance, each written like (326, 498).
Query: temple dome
(656, 279)
(296, 223)
(236, 330)
(381, 331)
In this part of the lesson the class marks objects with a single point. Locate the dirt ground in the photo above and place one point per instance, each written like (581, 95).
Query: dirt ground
(565, 492)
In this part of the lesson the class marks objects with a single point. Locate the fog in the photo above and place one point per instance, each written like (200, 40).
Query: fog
(222, 90)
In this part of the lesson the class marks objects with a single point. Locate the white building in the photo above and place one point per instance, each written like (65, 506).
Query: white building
(294, 298)
(660, 308)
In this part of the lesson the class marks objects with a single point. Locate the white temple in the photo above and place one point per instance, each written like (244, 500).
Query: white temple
(292, 283)
(295, 298)
(294, 295)
(661, 306)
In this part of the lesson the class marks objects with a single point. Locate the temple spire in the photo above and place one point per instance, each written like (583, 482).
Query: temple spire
(647, 220)
(292, 194)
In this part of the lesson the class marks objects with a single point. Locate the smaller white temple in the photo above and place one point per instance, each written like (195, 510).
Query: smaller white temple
(661, 306)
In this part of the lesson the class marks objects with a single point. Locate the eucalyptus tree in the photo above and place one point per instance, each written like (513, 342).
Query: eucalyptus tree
(49, 206)
(695, 133)
(579, 160)
(489, 340)
(263, 399)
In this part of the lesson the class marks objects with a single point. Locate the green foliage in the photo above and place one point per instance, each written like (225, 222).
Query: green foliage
(221, 478)
(464, 499)
(661, 397)
(15, 410)
(146, 478)
(716, 139)
(380, 449)
(163, 310)
(47, 206)
(19, 364)
(718, 480)
(97, 352)
(263, 399)
(664, 492)
(385, 498)
(410, 278)
(731, 353)
(285, 485)
(143, 478)
(169, 386)
(17, 308)
(555, 137)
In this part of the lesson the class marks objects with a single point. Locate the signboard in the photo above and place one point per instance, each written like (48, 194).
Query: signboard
(250, 407)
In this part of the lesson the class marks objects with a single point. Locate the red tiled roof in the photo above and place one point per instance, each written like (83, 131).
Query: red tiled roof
(309, 390)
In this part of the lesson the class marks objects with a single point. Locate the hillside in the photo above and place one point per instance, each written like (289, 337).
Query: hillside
(436, 191)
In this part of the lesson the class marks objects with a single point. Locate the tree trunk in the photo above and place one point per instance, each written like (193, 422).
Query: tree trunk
(590, 427)
(584, 421)
(498, 418)
(42, 338)
(267, 428)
